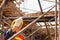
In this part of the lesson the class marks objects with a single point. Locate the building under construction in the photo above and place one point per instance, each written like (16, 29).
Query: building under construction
(40, 25)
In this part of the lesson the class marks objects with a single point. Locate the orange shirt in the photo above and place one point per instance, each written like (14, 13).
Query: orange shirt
(19, 37)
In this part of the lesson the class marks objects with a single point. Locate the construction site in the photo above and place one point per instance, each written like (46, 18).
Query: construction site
(18, 24)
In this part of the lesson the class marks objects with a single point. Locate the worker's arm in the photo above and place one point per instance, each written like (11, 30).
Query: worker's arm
(10, 32)
(17, 26)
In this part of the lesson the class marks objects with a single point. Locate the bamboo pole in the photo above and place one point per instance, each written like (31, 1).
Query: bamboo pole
(2, 3)
(29, 24)
(56, 20)
(44, 18)
(59, 18)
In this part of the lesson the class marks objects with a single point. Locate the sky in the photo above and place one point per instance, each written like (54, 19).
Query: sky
(31, 6)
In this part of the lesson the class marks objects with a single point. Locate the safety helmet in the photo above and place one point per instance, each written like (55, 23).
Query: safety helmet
(19, 19)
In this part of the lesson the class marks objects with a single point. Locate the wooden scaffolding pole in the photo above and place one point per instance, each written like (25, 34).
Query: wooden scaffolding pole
(59, 18)
(56, 20)
(29, 24)
(2, 3)
(1, 14)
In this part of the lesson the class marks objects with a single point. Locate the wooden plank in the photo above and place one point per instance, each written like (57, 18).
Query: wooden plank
(51, 13)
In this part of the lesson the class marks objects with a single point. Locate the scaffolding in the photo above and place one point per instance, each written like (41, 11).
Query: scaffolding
(36, 19)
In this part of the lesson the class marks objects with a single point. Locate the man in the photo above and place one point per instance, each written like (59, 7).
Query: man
(14, 29)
